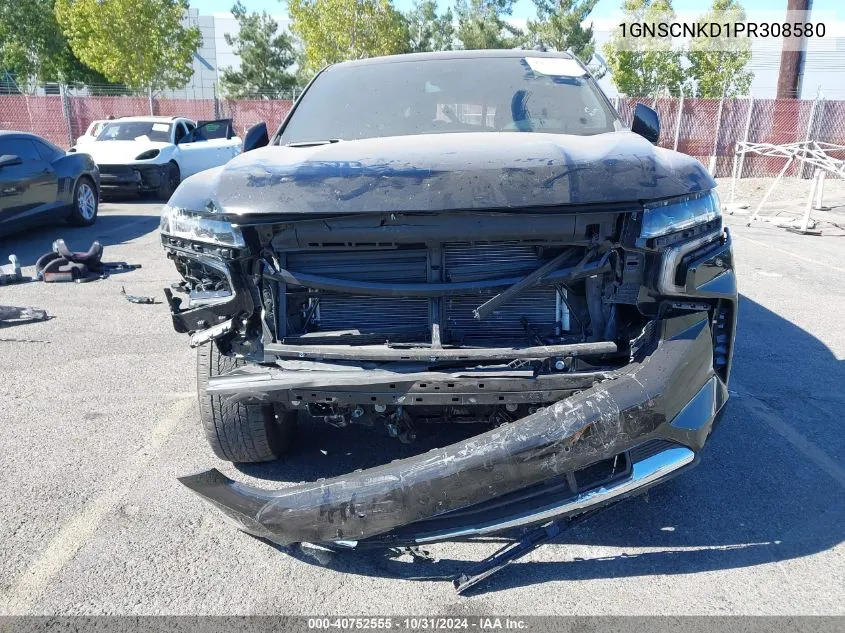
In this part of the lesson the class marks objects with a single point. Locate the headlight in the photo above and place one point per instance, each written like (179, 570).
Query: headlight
(677, 214)
(150, 153)
(199, 226)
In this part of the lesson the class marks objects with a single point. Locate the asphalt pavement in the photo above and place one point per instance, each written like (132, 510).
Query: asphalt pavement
(99, 416)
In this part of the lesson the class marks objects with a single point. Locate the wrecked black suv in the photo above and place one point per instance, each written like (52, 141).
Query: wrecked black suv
(454, 237)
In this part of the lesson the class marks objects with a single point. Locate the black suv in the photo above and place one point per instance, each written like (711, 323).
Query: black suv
(468, 236)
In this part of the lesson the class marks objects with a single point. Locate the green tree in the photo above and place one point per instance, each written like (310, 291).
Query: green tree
(336, 30)
(428, 30)
(718, 65)
(33, 47)
(645, 66)
(481, 24)
(558, 26)
(265, 55)
(139, 43)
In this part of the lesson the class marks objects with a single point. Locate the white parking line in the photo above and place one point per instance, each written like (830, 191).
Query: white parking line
(770, 416)
(28, 587)
(769, 247)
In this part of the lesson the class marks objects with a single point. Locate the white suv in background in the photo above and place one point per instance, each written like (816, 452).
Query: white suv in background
(153, 154)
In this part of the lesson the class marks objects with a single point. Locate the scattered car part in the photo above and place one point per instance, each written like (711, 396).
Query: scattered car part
(513, 551)
(12, 315)
(138, 298)
(11, 273)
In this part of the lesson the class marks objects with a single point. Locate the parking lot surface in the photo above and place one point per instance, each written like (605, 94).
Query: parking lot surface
(99, 417)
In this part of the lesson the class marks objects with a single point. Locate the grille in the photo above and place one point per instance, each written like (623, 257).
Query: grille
(115, 170)
(649, 449)
(460, 262)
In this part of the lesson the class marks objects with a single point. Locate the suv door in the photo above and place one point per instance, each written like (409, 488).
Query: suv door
(26, 188)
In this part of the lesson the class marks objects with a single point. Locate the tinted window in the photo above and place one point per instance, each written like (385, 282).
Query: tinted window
(211, 130)
(24, 148)
(131, 130)
(48, 151)
(180, 132)
(502, 94)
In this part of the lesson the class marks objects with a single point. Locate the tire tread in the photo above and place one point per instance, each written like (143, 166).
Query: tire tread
(237, 432)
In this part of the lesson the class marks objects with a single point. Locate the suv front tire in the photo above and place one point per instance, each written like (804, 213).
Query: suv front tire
(239, 432)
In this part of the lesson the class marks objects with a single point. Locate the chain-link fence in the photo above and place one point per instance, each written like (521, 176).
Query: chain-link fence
(707, 129)
(63, 118)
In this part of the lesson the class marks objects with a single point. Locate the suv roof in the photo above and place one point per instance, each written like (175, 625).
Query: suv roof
(471, 54)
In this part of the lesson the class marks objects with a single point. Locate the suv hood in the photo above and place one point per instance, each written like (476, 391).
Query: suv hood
(470, 171)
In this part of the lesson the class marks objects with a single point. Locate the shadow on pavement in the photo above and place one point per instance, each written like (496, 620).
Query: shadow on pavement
(755, 498)
(109, 230)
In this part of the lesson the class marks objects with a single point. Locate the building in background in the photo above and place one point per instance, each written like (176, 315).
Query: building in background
(214, 55)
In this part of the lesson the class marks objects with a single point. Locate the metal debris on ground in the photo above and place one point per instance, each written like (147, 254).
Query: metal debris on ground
(531, 540)
(13, 315)
(138, 298)
(11, 273)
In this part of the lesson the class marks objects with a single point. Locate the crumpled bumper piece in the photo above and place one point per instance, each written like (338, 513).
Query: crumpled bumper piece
(612, 417)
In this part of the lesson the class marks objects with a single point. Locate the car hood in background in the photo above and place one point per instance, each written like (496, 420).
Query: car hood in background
(440, 172)
(118, 152)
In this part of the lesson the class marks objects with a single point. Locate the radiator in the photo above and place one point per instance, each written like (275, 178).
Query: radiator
(539, 307)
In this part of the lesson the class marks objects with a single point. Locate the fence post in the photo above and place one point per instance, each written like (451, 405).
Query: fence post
(66, 113)
(809, 134)
(678, 120)
(746, 132)
(713, 157)
(737, 170)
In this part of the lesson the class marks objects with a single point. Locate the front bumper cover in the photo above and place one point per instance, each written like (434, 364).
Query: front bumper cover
(670, 394)
(132, 178)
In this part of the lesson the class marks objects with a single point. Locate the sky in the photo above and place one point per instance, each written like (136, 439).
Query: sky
(523, 8)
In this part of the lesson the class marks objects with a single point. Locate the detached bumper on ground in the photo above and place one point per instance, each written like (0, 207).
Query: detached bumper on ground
(648, 420)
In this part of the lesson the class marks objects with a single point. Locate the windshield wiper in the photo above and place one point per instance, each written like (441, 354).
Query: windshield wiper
(327, 141)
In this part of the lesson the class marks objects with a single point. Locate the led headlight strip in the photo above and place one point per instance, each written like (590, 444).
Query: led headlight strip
(677, 214)
(200, 227)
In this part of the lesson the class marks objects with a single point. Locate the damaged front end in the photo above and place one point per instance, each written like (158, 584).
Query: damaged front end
(594, 342)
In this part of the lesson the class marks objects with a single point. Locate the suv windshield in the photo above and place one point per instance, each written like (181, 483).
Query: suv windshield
(484, 94)
(130, 130)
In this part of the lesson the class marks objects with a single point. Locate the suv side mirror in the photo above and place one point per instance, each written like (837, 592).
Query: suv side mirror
(256, 137)
(9, 160)
(646, 123)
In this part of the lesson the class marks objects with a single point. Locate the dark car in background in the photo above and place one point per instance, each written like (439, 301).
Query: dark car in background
(470, 236)
(40, 183)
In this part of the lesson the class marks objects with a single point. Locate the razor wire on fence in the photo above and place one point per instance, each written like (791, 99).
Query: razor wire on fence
(708, 129)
